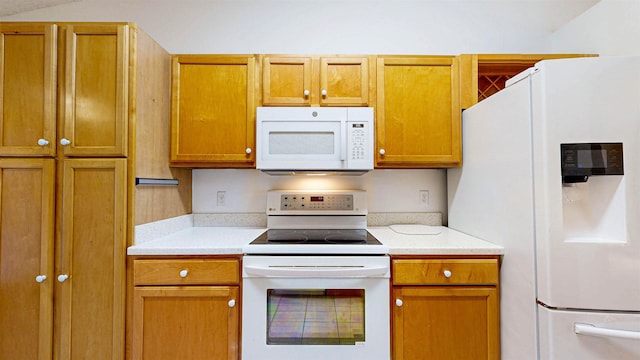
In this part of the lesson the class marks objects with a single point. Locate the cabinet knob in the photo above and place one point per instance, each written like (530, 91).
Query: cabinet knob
(248, 150)
(447, 273)
(64, 142)
(184, 273)
(306, 93)
(399, 302)
(324, 92)
(382, 152)
(43, 142)
(41, 278)
(232, 303)
(62, 277)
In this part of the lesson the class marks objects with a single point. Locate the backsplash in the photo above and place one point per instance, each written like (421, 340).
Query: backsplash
(393, 197)
(260, 219)
(158, 229)
(386, 219)
(388, 191)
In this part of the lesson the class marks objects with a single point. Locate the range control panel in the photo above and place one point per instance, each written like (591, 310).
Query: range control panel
(316, 202)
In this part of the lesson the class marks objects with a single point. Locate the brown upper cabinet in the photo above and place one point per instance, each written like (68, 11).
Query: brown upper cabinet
(292, 80)
(28, 55)
(482, 75)
(90, 65)
(213, 110)
(417, 112)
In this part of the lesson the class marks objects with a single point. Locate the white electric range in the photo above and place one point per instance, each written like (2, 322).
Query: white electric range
(316, 280)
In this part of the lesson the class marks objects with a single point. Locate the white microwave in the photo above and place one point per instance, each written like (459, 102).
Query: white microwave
(293, 140)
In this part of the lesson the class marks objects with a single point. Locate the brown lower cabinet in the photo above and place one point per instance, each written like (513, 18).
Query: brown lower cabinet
(445, 308)
(189, 308)
(83, 265)
(186, 309)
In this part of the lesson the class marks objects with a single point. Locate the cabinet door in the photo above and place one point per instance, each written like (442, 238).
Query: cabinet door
(286, 81)
(91, 247)
(194, 322)
(213, 110)
(344, 81)
(324, 81)
(26, 258)
(454, 322)
(96, 90)
(418, 113)
(27, 89)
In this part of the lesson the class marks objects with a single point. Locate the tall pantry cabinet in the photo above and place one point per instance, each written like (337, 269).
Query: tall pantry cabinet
(67, 123)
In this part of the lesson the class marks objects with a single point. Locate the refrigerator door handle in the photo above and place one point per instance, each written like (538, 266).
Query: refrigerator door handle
(588, 329)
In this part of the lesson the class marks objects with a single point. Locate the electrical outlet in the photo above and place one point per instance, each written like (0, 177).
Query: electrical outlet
(221, 198)
(423, 198)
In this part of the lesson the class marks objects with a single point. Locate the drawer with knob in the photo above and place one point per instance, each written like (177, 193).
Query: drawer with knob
(445, 271)
(186, 272)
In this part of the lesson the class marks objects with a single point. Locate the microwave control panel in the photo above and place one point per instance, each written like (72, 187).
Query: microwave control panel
(359, 154)
(358, 139)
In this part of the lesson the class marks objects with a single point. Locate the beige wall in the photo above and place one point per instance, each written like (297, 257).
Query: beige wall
(329, 26)
(611, 27)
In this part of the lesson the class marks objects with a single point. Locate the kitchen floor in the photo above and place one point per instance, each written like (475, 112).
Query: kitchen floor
(315, 317)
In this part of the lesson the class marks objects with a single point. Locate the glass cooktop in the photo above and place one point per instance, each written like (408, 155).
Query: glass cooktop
(316, 237)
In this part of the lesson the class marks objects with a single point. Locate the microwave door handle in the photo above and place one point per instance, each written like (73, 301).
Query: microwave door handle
(343, 135)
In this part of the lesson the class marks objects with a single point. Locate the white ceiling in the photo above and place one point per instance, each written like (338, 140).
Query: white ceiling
(549, 14)
(12, 7)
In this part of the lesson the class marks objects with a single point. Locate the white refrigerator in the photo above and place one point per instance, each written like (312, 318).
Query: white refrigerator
(570, 276)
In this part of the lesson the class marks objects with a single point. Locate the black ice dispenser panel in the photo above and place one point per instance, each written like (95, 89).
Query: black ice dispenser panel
(579, 161)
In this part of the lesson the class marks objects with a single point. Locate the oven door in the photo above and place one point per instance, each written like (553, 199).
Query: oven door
(316, 308)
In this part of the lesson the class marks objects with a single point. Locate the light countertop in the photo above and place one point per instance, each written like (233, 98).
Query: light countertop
(230, 240)
(446, 242)
(206, 240)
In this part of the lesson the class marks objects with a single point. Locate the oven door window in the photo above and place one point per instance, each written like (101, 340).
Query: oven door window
(315, 316)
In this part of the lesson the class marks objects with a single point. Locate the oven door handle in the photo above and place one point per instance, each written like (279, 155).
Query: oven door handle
(317, 271)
